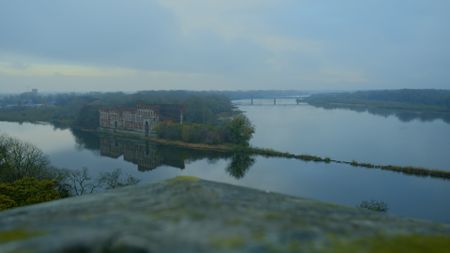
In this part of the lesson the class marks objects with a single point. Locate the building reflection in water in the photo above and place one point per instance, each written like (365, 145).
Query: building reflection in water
(149, 155)
(142, 153)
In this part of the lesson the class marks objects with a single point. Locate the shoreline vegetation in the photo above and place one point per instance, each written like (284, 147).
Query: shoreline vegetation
(266, 152)
(437, 101)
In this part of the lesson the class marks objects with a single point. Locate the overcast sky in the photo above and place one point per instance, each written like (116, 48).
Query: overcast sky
(109, 45)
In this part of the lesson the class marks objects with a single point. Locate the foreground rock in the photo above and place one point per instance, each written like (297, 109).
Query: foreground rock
(190, 215)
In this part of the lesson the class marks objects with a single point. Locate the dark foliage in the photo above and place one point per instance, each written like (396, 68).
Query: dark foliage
(88, 117)
(27, 191)
(238, 131)
(374, 205)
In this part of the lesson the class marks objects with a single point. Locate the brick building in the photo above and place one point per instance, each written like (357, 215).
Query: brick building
(142, 119)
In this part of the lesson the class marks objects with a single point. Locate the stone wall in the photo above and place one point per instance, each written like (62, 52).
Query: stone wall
(187, 214)
(141, 119)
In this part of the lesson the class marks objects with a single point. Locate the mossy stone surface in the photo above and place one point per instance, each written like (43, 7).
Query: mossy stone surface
(193, 215)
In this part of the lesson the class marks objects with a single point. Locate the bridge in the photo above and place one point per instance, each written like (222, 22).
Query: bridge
(291, 100)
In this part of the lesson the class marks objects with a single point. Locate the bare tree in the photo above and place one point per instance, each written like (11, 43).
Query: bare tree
(112, 180)
(20, 159)
(79, 182)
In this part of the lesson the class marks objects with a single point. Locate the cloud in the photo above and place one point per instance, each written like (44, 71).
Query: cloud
(225, 44)
(62, 70)
(236, 20)
(228, 18)
(107, 32)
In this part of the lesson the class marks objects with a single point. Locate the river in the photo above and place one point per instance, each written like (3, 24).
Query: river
(376, 137)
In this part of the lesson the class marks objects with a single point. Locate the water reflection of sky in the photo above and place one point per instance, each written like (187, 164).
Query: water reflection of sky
(48, 138)
(349, 135)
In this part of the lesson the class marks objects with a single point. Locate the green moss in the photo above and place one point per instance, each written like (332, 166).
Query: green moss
(176, 214)
(407, 243)
(197, 216)
(230, 242)
(17, 235)
(233, 222)
(259, 235)
(294, 246)
(273, 216)
(173, 214)
(183, 179)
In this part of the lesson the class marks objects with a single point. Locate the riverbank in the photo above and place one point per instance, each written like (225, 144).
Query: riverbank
(407, 170)
(436, 101)
(188, 214)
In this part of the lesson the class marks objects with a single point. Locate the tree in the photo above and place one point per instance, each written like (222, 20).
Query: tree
(4, 164)
(88, 117)
(20, 159)
(27, 191)
(240, 130)
(78, 182)
(112, 180)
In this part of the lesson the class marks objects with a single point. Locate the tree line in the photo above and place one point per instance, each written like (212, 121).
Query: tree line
(406, 99)
(81, 110)
(237, 130)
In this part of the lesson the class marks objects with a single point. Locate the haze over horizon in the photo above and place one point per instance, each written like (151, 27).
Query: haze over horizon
(111, 45)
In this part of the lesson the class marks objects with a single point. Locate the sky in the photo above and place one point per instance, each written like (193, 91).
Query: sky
(130, 45)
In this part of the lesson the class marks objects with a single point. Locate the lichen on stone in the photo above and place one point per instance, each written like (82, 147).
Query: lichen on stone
(18, 235)
(402, 243)
(183, 179)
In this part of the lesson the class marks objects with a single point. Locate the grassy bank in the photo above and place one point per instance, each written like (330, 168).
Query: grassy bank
(408, 170)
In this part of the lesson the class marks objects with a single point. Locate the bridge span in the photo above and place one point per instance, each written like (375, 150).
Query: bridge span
(295, 100)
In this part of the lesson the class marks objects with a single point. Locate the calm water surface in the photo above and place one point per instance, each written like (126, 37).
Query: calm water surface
(338, 133)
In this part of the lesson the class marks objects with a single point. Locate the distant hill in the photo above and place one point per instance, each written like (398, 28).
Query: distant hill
(406, 99)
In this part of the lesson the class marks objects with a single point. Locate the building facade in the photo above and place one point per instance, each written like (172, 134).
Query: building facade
(142, 119)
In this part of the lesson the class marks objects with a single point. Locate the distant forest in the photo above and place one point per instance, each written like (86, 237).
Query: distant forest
(407, 99)
(81, 110)
(202, 107)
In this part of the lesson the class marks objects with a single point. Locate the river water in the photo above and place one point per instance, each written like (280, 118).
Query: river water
(383, 137)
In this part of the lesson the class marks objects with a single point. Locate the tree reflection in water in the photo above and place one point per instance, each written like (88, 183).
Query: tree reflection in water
(149, 155)
(240, 164)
